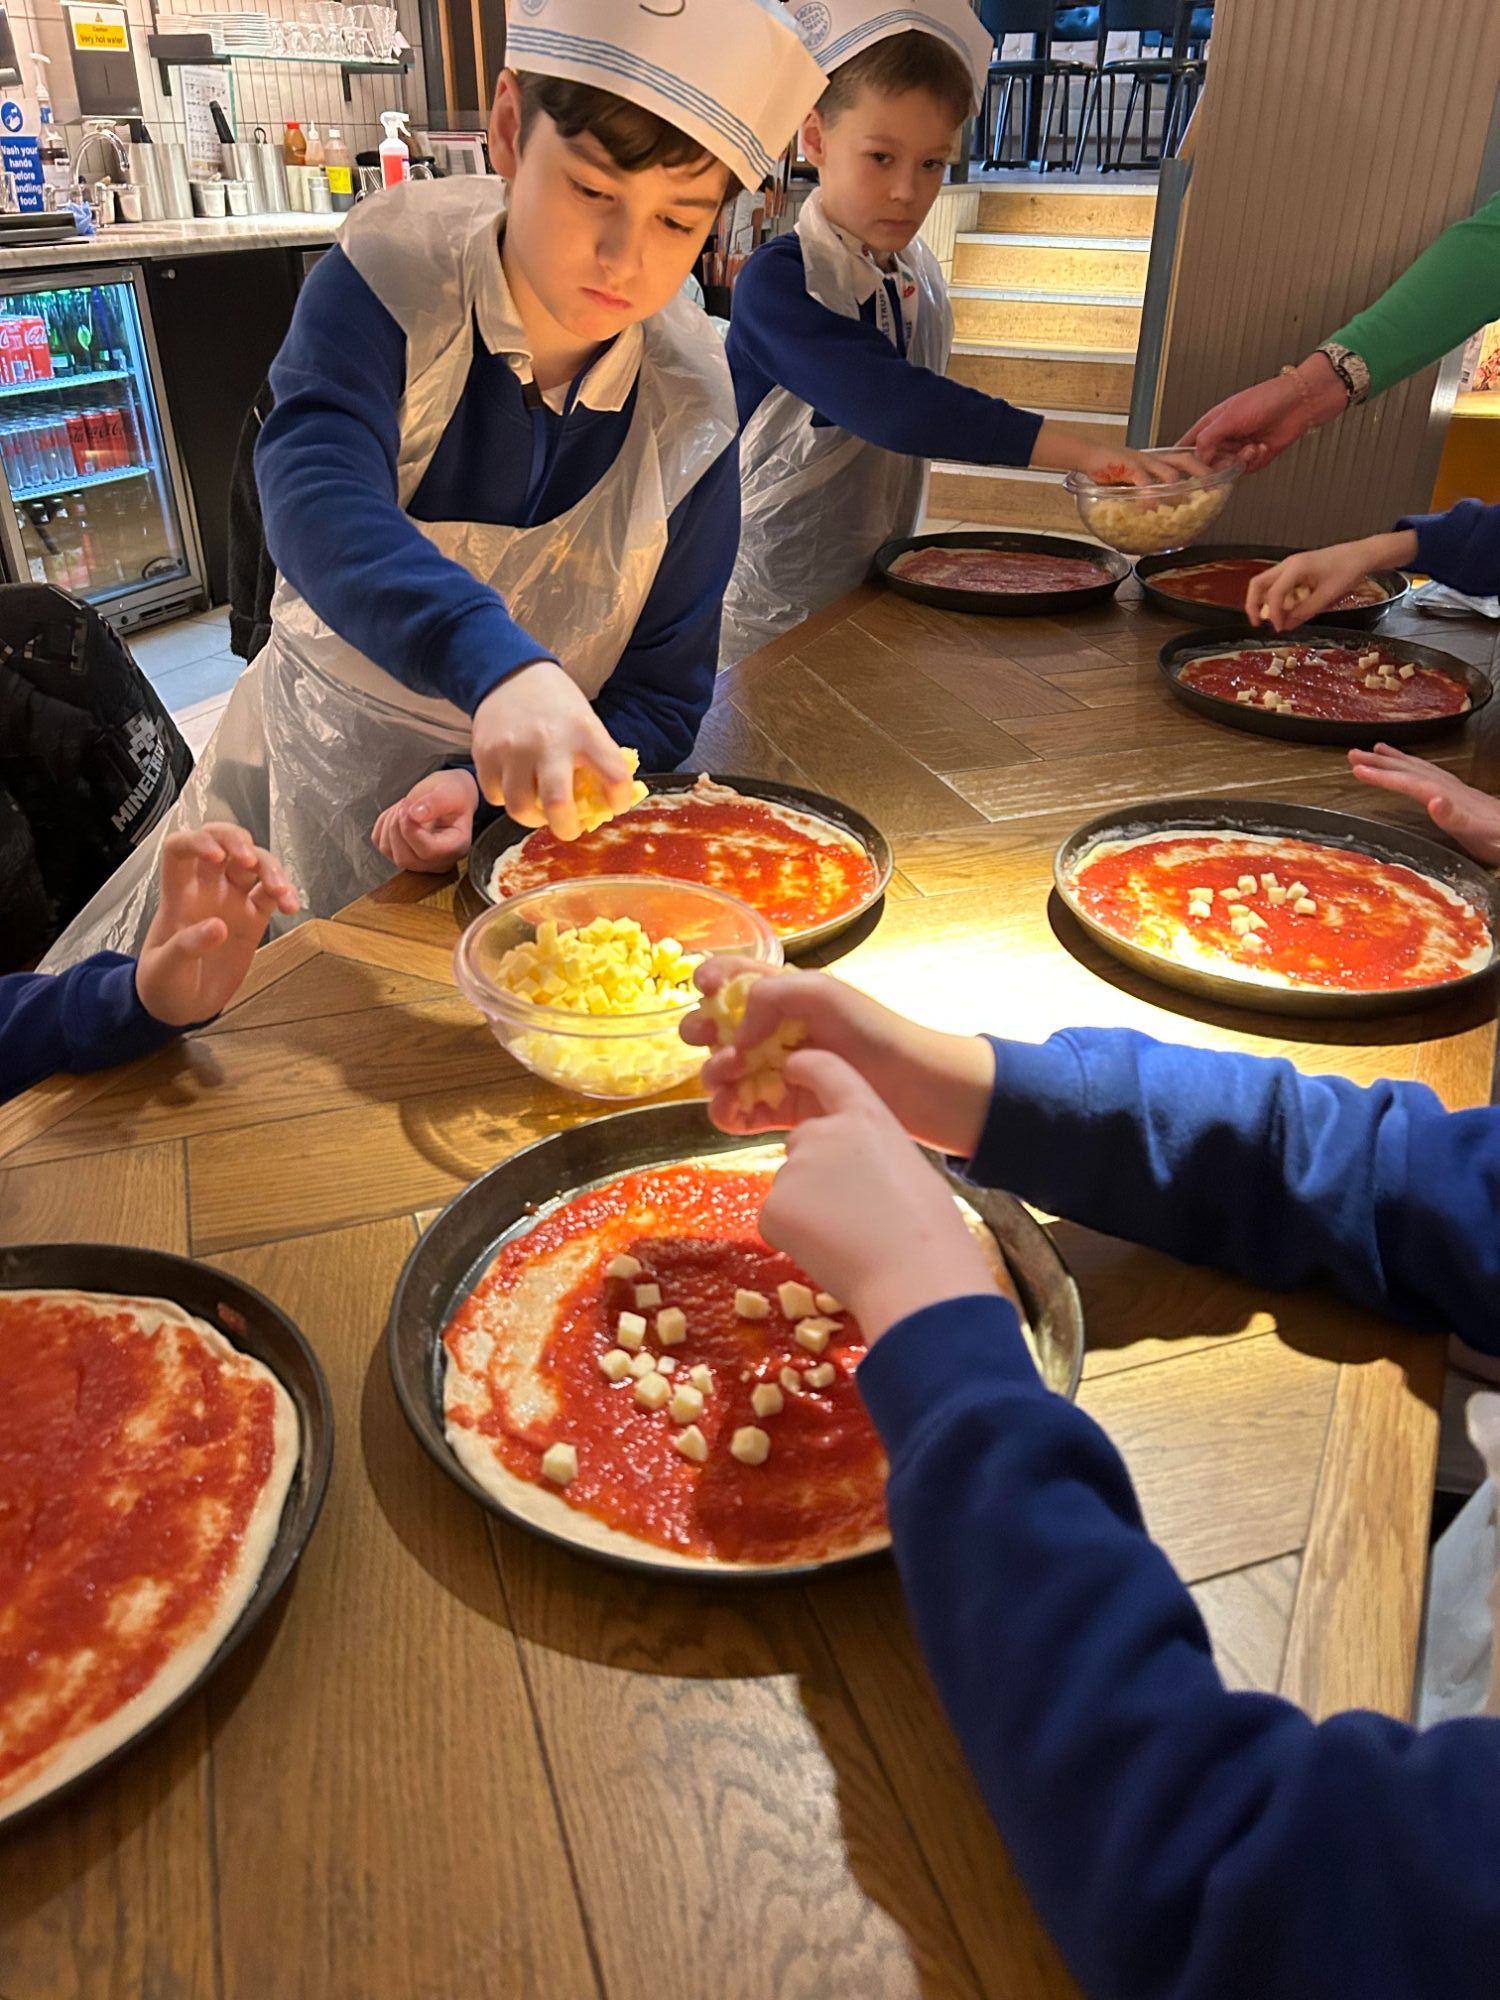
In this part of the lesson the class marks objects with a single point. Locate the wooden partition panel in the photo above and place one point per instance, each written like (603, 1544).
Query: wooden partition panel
(1334, 143)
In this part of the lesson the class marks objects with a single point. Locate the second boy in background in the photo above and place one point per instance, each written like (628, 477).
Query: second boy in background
(842, 328)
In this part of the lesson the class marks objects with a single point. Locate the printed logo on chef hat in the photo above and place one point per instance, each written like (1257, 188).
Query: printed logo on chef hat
(11, 116)
(532, 7)
(814, 23)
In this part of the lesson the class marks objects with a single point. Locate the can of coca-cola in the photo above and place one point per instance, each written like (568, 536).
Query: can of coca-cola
(38, 347)
(78, 441)
(117, 449)
(13, 348)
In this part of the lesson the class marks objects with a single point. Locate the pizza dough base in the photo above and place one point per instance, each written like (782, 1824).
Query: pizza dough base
(79, 1753)
(1187, 950)
(821, 830)
(546, 1509)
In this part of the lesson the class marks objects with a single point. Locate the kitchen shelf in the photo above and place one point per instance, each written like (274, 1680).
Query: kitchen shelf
(171, 52)
(80, 482)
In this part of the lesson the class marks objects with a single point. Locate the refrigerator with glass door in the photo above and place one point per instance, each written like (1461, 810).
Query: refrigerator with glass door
(96, 501)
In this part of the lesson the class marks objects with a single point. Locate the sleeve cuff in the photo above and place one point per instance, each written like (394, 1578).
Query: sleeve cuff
(955, 1344)
(104, 1022)
(482, 650)
(1039, 1092)
(1434, 543)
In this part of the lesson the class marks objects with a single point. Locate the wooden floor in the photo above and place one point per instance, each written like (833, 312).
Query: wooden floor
(457, 1762)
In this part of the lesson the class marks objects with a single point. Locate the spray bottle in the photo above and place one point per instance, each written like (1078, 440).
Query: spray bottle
(57, 171)
(395, 156)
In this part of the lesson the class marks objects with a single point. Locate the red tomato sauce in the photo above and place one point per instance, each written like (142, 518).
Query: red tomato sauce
(697, 1236)
(1328, 683)
(741, 846)
(1227, 581)
(1011, 571)
(1377, 923)
(88, 1511)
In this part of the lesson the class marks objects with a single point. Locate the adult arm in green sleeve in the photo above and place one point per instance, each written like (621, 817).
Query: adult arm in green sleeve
(1451, 291)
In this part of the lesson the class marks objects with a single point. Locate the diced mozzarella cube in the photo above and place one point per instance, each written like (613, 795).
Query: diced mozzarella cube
(622, 1267)
(790, 1380)
(653, 1392)
(1276, 895)
(797, 1301)
(752, 1305)
(671, 1326)
(630, 1330)
(1200, 910)
(686, 1404)
(560, 1464)
(1231, 895)
(1245, 694)
(642, 1365)
(766, 1399)
(1247, 883)
(750, 1445)
(813, 1334)
(822, 1375)
(667, 1365)
(1297, 889)
(828, 1305)
(647, 1295)
(692, 1444)
(1268, 882)
(701, 1377)
(1305, 906)
(614, 1364)
(1406, 672)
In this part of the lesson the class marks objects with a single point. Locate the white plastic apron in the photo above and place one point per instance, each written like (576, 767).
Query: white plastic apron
(317, 739)
(1461, 1651)
(816, 501)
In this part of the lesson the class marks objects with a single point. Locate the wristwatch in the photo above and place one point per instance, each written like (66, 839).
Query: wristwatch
(1352, 369)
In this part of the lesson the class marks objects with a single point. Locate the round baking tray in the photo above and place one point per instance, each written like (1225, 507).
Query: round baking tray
(1364, 617)
(458, 1248)
(1177, 653)
(1006, 603)
(504, 834)
(249, 1321)
(1334, 829)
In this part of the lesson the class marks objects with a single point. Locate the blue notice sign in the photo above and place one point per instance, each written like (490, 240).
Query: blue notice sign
(23, 158)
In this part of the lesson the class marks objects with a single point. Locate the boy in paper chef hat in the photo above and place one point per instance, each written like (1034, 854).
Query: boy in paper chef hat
(1181, 1841)
(498, 480)
(842, 328)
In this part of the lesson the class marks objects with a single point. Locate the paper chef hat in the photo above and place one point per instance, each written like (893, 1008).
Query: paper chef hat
(732, 74)
(835, 30)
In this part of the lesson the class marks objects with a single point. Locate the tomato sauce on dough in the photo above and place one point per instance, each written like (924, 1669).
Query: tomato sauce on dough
(1227, 580)
(1008, 571)
(1377, 925)
(129, 1467)
(1328, 682)
(697, 1236)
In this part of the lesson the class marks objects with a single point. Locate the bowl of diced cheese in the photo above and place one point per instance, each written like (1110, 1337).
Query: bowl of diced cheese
(1151, 520)
(587, 982)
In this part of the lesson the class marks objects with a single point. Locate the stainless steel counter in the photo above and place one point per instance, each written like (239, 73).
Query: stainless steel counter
(134, 243)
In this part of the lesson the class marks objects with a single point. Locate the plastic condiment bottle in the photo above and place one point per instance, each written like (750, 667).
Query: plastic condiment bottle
(295, 147)
(395, 157)
(340, 172)
(313, 157)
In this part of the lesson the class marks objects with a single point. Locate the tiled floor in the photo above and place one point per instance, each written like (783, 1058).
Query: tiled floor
(191, 667)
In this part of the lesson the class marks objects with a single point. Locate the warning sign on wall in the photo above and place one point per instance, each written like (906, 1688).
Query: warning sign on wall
(99, 29)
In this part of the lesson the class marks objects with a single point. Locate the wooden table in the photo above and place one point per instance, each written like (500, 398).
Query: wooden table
(459, 1762)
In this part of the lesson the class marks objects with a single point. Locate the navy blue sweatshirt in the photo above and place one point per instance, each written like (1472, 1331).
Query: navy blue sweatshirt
(325, 465)
(85, 1018)
(1183, 1842)
(1461, 547)
(850, 374)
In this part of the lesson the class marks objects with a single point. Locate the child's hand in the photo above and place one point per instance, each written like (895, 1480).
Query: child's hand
(432, 828)
(1304, 585)
(1061, 450)
(530, 735)
(938, 1086)
(860, 1209)
(218, 890)
(1471, 817)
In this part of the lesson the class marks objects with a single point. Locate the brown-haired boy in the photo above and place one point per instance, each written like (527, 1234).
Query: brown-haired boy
(498, 480)
(842, 327)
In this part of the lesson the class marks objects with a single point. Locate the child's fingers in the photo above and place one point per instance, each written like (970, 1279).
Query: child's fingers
(717, 972)
(608, 761)
(196, 941)
(554, 787)
(833, 1085)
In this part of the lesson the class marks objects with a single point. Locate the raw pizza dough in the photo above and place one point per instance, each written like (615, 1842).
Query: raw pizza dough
(76, 1754)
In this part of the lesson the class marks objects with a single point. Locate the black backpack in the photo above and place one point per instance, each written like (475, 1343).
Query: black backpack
(90, 760)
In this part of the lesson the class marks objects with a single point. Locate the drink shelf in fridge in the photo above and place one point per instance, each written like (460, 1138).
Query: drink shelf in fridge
(8, 390)
(79, 482)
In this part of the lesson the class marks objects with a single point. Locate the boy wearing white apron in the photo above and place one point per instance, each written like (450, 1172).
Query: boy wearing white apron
(1181, 1841)
(842, 328)
(498, 479)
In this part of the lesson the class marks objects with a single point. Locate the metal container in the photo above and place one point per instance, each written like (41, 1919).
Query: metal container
(240, 171)
(269, 176)
(162, 175)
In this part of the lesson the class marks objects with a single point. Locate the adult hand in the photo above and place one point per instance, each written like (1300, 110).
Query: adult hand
(860, 1209)
(1470, 817)
(1257, 424)
(218, 890)
(432, 828)
(937, 1086)
(531, 733)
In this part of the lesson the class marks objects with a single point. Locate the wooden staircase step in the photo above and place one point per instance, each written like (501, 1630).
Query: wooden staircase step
(1068, 211)
(1002, 498)
(1038, 379)
(997, 314)
(1095, 264)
